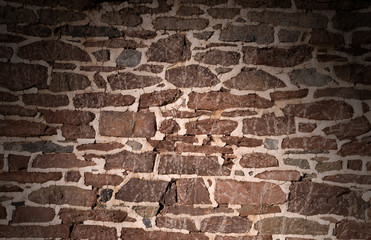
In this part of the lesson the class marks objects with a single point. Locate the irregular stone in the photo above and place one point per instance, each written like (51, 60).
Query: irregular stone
(355, 165)
(350, 129)
(100, 99)
(30, 177)
(257, 210)
(101, 180)
(329, 166)
(64, 66)
(239, 113)
(159, 98)
(60, 160)
(114, 43)
(189, 11)
(248, 193)
(343, 92)
(7, 97)
(54, 17)
(127, 81)
(207, 149)
(330, 58)
(199, 165)
(279, 175)
(242, 141)
(224, 100)
(62, 82)
(353, 73)
(102, 55)
(346, 5)
(173, 49)
(309, 143)
(320, 110)
(21, 76)
(286, 36)
(264, 4)
(203, 35)
(93, 232)
(6, 52)
(348, 229)
(126, 16)
(271, 144)
(11, 14)
(269, 124)
(150, 68)
(348, 21)
(68, 116)
(211, 126)
(51, 51)
(286, 95)
(51, 231)
(72, 176)
(221, 70)
(80, 5)
(127, 124)
(18, 162)
(8, 38)
(361, 37)
(100, 146)
(17, 110)
(138, 233)
(192, 191)
(301, 163)
(253, 79)
(300, 20)
(174, 223)
(277, 57)
(137, 190)
(129, 58)
(308, 77)
(194, 211)
(23, 214)
(134, 162)
(307, 127)
(225, 224)
(218, 57)
(88, 31)
(45, 100)
(223, 13)
(32, 147)
(31, 30)
(349, 178)
(22, 128)
(180, 24)
(79, 216)
(106, 195)
(322, 37)
(261, 34)
(191, 76)
(134, 144)
(169, 126)
(285, 225)
(184, 114)
(258, 160)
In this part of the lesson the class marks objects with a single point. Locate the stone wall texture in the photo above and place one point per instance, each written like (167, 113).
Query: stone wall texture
(185, 119)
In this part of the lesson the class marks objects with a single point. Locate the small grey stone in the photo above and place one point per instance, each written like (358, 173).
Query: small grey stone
(147, 222)
(308, 77)
(221, 70)
(301, 163)
(271, 144)
(17, 204)
(288, 35)
(46, 147)
(106, 195)
(134, 144)
(129, 58)
(239, 173)
(102, 55)
(50, 147)
(203, 35)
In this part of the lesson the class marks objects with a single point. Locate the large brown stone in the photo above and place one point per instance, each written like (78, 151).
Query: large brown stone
(62, 82)
(100, 180)
(100, 146)
(23, 214)
(285, 225)
(207, 149)
(11, 14)
(21, 76)
(280, 175)
(194, 211)
(46, 232)
(191, 76)
(59, 160)
(348, 229)
(192, 191)
(54, 17)
(258, 160)
(277, 57)
(6, 52)
(87, 31)
(67, 116)
(17, 110)
(31, 30)
(22, 128)
(269, 124)
(72, 132)
(253, 79)
(79, 216)
(45, 100)
(8, 38)
(321, 110)
(100, 99)
(189, 11)
(180, 24)
(64, 195)
(127, 80)
(248, 193)
(348, 21)
(353, 73)
(114, 43)
(199, 165)
(138, 233)
(159, 98)
(309, 143)
(137, 190)
(355, 148)
(133, 162)
(308, 77)
(261, 34)
(93, 232)
(343, 92)
(30, 177)
(224, 224)
(350, 129)
(70, 4)
(218, 57)
(51, 51)
(286, 95)
(175, 48)
(325, 199)
(349, 178)
(224, 100)
(175, 223)
(127, 124)
(8, 97)
(127, 16)
(211, 126)
(242, 141)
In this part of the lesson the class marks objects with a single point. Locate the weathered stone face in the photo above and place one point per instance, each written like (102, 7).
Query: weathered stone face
(150, 191)
(261, 34)
(191, 76)
(125, 81)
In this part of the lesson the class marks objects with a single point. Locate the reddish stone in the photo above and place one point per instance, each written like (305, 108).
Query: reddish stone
(67, 116)
(101, 180)
(72, 176)
(224, 100)
(248, 193)
(133, 162)
(60, 195)
(174, 223)
(100, 146)
(49, 232)
(343, 92)
(169, 126)
(325, 199)
(30, 177)
(21, 76)
(175, 48)
(18, 162)
(77, 131)
(253, 79)
(258, 160)
(93, 232)
(127, 80)
(322, 37)
(269, 124)
(65, 81)
(284, 175)
(194, 211)
(68, 215)
(286, 95)
(309, 143)
(17, 110)
(258, 210)
(101, 68)
(207, 149)
(259, 237)
(355, 148)
(192, 191)
(239, 113)
(354, 73)
(355, 165)
(22, 128)
(173, 23)
(199, 165)
(321, 110)
(115, 43)
(307, 127)
(137, 233)
(59, 160)
(45, 100)
(277, 57)
(218, 57)
(26, 214)
(129, 17)
(127, 124)
(162, 145)
(348, 229)
(51, 51)
(137, 190)
(350, 129)
(211, 126)
(7, 97)
(184, 114)
(191, 76)
(242, 141)
(159, 98)
(349, 178)
(98, 100)
(224, 224)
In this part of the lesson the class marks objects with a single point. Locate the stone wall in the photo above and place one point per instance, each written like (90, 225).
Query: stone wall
(185, 119)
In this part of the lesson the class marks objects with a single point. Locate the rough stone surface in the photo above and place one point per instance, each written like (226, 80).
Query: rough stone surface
(30, 177)
(301, 163)
(347, 21)
(286, 95)
(22, 128)
(258, 160)
(125, 81)
(218, 57)
(24, 214)
(180, 24)
(100, 180)
(308, 77)
(284, 175)
(269, 124)
(129, 58)
(349, 129)
(134, 162)
(78, 216)
(99, 100)
(349, 178)
(261, 34)
(45, 147)
(211, 126)
(62, 82)
(353, 73)
(348, 229)
(223, 224)
(135, 233)
(310, 143)
(159, 98)
(18, 162)
(285, 35)
(52, 231)
(264, 4)
(191, 76)
(88, 31)
(192, 191)
(59, 160)
(172, 223)
(343, 92)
